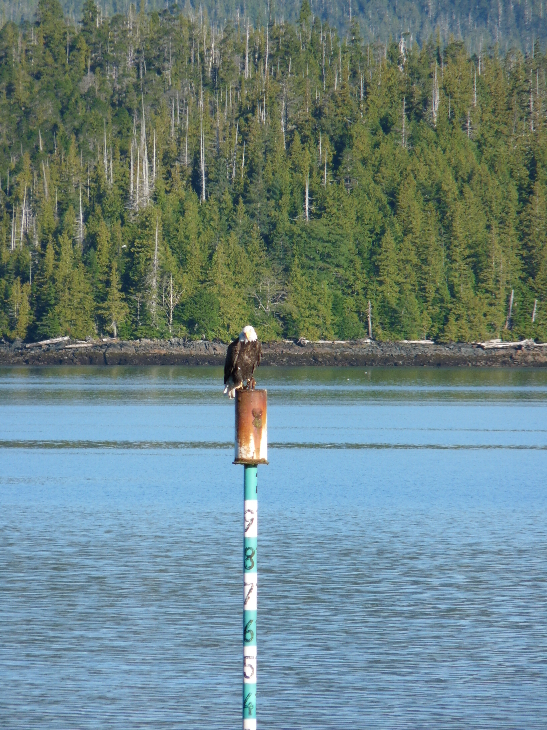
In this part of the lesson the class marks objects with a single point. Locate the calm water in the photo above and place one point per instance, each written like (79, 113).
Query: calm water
(403, 550)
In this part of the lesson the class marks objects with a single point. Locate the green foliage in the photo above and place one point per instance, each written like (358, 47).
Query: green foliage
(202, 314)
(19, 309)
(115, 309)
(503, 22)
(73, 309)
(154, 182)
(309, 305)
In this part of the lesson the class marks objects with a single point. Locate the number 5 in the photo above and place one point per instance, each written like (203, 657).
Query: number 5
(249, 663)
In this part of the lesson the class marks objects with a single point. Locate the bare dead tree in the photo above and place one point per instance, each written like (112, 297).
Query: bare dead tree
(153, 279)
(170, 302)
(435, 98)
(235, 154)
(202, 148)
(247, 53)
(510, 311)
(80, 224)
(45, 180)
(269, 296)
(138, 299)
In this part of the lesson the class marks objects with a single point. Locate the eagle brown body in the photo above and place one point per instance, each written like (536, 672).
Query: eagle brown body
(242, 358)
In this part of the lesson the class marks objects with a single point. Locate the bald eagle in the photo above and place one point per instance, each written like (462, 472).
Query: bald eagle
(242, 357)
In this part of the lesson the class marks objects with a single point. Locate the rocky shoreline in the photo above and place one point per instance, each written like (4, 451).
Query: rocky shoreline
(63, 351)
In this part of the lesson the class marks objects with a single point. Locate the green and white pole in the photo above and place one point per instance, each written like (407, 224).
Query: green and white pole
(251, 449)
(250, 540)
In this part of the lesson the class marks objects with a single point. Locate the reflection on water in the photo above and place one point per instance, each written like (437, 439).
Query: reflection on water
(191, 384)
(403, 549)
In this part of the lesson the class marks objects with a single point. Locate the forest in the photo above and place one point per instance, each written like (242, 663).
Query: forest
(508, 23)
(166, 175)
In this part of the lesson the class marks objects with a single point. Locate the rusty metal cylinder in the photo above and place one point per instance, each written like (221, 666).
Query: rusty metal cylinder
(251, 445)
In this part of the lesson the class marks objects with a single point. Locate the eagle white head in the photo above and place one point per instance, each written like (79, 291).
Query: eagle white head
(248, 334)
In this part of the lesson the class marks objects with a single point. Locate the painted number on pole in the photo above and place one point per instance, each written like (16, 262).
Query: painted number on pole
(248, 633)
(249, 558)
(250, 518)
(249, 666)
(248, 704)
(250, 592)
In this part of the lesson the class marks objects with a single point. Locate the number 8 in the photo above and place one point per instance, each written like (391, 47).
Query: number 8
(249, 558)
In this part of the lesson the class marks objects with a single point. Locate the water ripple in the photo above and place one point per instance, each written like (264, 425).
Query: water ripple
(207, 445)
(402, 550)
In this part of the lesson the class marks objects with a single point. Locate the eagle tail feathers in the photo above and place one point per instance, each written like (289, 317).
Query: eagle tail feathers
(230, 390)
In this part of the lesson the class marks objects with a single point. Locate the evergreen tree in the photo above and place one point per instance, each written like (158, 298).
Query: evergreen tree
(388, 288)
(20, 309)
(47, 323)
(309, 305)
(74, 304)
(115, 309)
(284, 178)
(230, 284)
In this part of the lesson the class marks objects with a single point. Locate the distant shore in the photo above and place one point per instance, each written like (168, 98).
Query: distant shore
(63, 351)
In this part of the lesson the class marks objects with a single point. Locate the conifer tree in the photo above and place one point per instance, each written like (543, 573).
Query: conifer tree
(388, 288)
(74, 304)
(103, 262)
(45, 309)
(230, 286)
(284, 174)
(20, 308)
(309, 305)
(115, 309)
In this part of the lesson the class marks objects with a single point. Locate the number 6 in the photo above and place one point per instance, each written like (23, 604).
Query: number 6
(248, 633)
